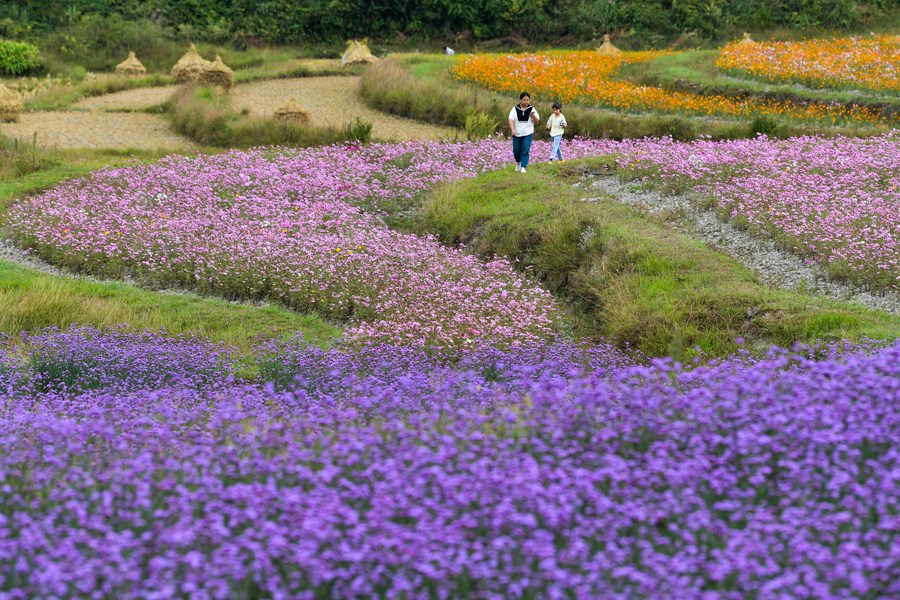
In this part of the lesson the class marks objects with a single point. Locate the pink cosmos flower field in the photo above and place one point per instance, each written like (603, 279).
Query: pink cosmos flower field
(302, 227)
(305, 227)
(835, 201)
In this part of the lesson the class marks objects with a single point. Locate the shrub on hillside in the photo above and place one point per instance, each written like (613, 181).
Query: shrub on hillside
(99, 43)
(205, 117)
(480, 126)
(200, 117)
(764, 125)
(18, 58)
(358, 130)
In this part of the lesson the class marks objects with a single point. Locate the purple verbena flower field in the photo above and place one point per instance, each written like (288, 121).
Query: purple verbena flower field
(81, 359)
(538, 472)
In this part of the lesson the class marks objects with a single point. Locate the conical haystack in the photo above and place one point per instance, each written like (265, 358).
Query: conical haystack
(292, 111)
(189, 66)
(357, 53)
(747, 40)
(131, 67)
(606, 48)
(217, 74)
(10, 105)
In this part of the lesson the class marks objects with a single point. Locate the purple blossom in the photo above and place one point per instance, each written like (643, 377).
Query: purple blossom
(472, 477)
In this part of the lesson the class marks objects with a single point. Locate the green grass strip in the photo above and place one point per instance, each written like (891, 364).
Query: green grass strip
(630, 278)
(61, 97)
(696, 72)
(31, 300)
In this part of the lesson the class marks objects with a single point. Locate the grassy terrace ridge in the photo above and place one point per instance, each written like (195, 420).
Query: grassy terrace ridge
(630, 278)
(696, 72)
(60, 97)
(206, 117)
(31, 301)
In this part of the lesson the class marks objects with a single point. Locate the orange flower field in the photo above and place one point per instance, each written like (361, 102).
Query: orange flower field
(589, 78)
(871, 63)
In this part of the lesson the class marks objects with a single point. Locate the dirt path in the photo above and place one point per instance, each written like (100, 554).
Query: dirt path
(97, 129)
(134, 99)
(332, 100)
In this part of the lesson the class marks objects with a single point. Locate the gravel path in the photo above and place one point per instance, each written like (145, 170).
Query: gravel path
(14, 254)
(775, 267)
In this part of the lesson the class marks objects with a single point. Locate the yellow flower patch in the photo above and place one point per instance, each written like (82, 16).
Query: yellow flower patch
(589, 78)
(870, 63)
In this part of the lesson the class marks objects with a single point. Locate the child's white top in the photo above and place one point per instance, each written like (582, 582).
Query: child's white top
(555, 124)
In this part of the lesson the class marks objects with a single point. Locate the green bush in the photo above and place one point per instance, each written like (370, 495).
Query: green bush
(14, 29)
(206, 117)
(99, 43)
(358, 130)
(766, 125)
(77, 73)
(197, 115)
(480, 126)
(18, 58)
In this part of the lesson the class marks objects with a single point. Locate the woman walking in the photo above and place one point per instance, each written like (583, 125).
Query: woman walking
(522, 119)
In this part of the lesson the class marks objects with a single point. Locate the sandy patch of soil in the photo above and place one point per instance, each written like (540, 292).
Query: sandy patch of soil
(136, 99)
(96, 129)
(333, 101)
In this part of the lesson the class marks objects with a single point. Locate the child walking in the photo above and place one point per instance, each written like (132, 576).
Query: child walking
(557, 125)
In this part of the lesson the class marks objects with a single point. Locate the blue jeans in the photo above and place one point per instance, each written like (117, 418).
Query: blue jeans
(522, 148)
(555, 153)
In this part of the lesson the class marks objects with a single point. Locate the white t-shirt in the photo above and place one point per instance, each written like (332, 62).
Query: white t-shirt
(554, 124)
(522, 119)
